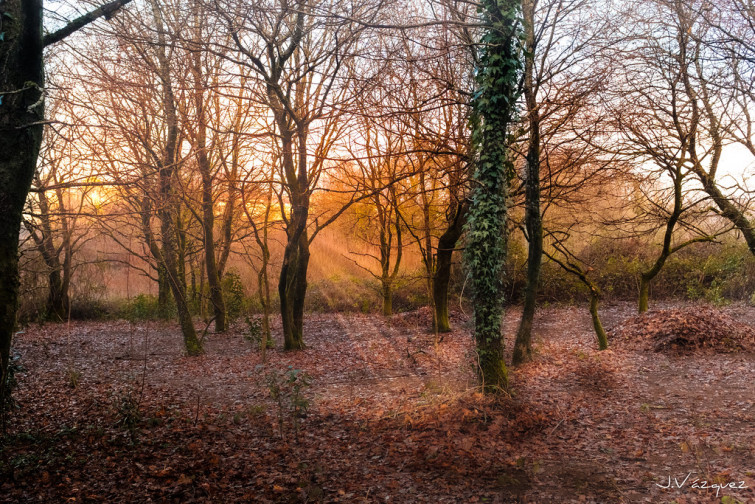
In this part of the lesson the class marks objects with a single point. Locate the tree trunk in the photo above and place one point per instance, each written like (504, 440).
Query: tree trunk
(170, 257)
(443, 263)
(167, 212)
(180, 243)
(57, 299)
(644, 293)
(57, 286)
(208, 210)
(427, 252)
(533, 219)
(208, 224)
(21, 113)
(300, 290)
(263, 290)
(492, 367)
(728, 209)
(596, 324)
(163, 293)
(387, 298)
(292, 288)
(57, 277)
(487, 235)
(292, 284)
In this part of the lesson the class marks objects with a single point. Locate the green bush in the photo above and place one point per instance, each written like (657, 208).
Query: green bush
(141, 307)
(233, 295)
(711, 272)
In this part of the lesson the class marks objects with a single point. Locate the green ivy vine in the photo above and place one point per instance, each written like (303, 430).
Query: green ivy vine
(493, 110)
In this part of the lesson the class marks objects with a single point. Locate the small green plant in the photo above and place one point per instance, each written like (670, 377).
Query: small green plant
(128, 414)
(288, 389)
(256, 410)
(254, 332)
(73, 377)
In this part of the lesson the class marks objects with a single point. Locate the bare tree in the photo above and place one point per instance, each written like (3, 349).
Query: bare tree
(655, 105)
(380, 163)
(58, 217)
(300, 58)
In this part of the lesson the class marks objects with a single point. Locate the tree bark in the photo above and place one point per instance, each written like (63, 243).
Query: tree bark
(263, 291)
(58, 274)
(292, 284)
(163, 292)
(168, 205)
(727, 208)
(648, 275)
(600, 333)
(533, 219)
(387, 290)
(170, 259)
(443, 262)
(208, 210)
(21, 113)
(292, 288)
(644, 293)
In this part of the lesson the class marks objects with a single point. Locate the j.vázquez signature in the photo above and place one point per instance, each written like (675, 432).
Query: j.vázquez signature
(697, 483)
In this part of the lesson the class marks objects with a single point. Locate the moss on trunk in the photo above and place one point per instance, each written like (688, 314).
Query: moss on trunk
(600, 333)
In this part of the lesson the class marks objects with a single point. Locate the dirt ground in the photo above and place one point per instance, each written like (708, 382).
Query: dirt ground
(113, 412)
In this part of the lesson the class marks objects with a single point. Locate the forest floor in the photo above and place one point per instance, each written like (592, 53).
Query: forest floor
(113, 412)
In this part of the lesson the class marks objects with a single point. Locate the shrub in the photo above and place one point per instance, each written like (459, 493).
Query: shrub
(233, 295)
(715, 273)
(254, 333)
(91, 309)
(141, 307)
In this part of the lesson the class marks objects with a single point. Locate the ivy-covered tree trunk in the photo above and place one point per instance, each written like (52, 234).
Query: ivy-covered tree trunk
(532, 220)
(494, 108)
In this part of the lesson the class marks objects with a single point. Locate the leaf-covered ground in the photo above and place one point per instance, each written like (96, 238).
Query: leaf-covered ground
(113, 412)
